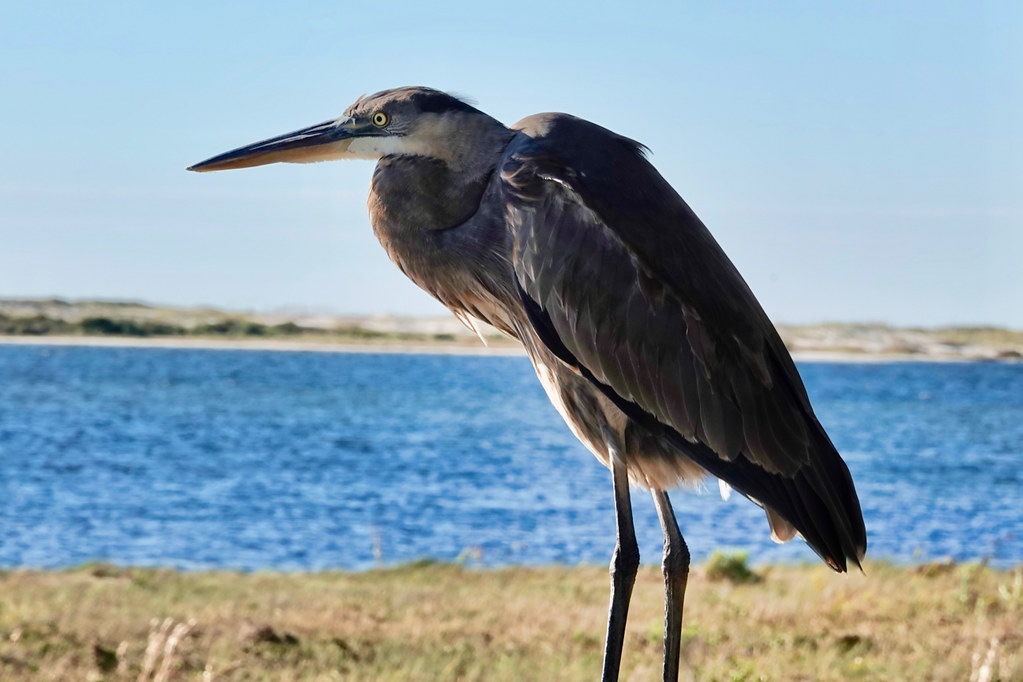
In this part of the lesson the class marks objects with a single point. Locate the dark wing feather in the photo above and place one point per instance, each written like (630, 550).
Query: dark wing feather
(623, 281)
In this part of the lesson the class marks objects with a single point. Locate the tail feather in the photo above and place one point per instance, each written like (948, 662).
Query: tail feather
(819, 502)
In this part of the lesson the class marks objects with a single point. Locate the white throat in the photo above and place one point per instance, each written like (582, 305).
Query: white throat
(376, 147)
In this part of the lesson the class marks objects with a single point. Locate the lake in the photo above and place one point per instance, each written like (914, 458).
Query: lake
(305, 461)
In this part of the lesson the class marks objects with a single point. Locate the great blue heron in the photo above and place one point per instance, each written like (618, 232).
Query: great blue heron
(647, 340)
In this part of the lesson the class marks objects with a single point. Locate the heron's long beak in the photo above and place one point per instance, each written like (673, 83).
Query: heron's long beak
(321, 142)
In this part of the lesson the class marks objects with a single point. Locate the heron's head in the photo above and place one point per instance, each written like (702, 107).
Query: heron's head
(412, 120)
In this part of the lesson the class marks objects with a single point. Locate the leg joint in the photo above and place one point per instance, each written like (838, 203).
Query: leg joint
(676, 558)
(625, 562)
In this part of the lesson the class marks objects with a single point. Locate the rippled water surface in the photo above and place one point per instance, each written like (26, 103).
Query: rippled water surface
(246, 459)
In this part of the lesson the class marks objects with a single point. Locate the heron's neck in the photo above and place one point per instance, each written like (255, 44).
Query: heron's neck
(427, 215)
(428, 192)
(420, 194)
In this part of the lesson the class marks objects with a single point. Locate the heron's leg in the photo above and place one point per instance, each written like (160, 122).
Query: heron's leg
(624, 564)
(676, 574)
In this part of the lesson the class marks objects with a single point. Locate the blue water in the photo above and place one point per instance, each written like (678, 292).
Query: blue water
(295, 461)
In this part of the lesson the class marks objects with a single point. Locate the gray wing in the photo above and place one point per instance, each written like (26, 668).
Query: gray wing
(622, 280)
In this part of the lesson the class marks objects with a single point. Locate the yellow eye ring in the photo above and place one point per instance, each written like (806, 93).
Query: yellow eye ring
(379, 119)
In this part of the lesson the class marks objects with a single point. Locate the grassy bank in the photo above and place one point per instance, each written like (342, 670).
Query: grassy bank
(444, 622)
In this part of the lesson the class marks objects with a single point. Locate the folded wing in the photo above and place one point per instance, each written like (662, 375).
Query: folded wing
(625, 283)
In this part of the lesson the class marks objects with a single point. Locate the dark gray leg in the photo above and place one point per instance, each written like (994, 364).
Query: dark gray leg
(624, 564)
(676, 574)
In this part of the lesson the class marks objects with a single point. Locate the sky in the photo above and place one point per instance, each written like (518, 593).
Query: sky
(857, 161)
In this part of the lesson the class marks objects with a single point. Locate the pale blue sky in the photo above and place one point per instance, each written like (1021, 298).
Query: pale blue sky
(858, 162)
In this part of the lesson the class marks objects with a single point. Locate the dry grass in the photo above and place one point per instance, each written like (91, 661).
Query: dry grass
(443, 622)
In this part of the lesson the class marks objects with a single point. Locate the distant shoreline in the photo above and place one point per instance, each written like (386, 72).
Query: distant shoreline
(135, 324)
(201, 343)
(413, 348)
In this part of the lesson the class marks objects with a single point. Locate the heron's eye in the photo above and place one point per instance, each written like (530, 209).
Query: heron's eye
(380, 119)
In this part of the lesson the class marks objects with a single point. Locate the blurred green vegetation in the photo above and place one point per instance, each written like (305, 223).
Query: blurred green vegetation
(229, 327)
(36, 325)
(731, 566)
